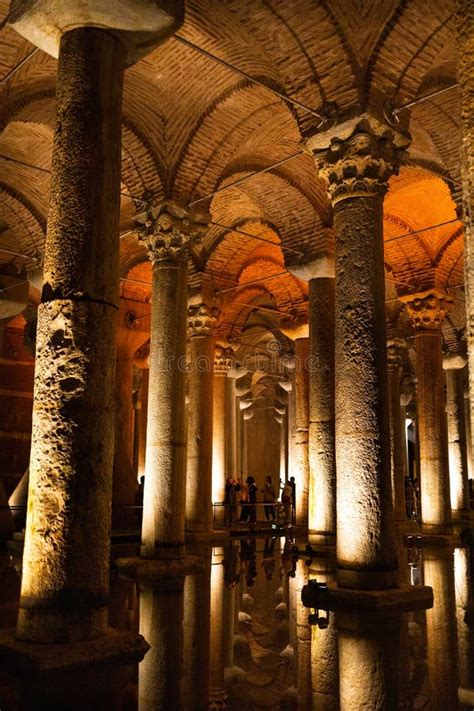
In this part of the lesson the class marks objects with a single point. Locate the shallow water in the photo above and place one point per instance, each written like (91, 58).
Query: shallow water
(237, 636)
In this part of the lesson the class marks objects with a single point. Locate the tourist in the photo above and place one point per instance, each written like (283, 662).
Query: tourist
(230, 502)
(269, 497)
(252, 489)
(286, 499)
(293, 498)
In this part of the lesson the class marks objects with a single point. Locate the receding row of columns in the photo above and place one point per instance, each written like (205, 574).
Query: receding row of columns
(66, 558)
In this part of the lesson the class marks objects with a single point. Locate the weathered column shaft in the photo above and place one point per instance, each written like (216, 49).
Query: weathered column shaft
(168, 233)
(427, 311)
(301, 466)
(143, 422)
(163, 501)
(199, 449)
(434, 479)
(457, 454)
(465, 56)
(230, 429)
(124, 480)
(322, 454)
(66, 556)
(218, 437)
(397, 433)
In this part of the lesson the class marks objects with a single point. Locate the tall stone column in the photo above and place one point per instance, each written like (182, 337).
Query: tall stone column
(65, 580)
(143, 417)
(299, 333)
(465, 55)
(220, 425)
(357, 165)
(201, 323)
(467, 420)
(129, 338)
(397, 429)
(427, 311)
(319, 273)
(169, 232)
(230, 428)
(458, 473)
(66, 556)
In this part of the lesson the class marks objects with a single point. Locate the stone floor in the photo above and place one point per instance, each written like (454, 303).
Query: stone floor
(238, 632)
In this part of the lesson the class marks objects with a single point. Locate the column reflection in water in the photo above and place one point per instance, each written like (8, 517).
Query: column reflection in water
(438, 566)
(217, 693)
(369, 648)
(161, 623)
(303, 640)
(324, 653)
(231, 582)
(197, 605)
(464, 617)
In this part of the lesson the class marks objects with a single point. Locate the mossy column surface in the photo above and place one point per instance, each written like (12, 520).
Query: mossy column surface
(66, 557)
(168, 233)
(357, 167)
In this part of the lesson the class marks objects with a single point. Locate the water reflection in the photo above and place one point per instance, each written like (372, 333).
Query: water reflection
(237, 636)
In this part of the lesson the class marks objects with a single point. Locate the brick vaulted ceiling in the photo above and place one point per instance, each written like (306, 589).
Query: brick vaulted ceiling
(191, 126)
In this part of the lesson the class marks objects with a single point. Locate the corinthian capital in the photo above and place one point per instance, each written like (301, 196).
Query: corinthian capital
(169, 231)
(428, 308)
(202, 319)
(359, 161)
(396, 348)
(223, 360)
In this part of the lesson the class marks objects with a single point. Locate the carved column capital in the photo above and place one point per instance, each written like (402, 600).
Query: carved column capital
(395, 351)
(359, 162)
(202, 319)
(223, 360)
(427, 309)
(169, 231)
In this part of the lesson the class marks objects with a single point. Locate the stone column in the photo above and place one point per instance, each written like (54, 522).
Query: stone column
(299, 333)
(129, 339)
(230, 428)
(465, 56)
(457, 453)
(169, 232)
(427, 311)
(201, 322)
(397, 429)
(357, 165)
(319, 273)
(222, 365)
(143, 422)
(467, 420)
(66, 555)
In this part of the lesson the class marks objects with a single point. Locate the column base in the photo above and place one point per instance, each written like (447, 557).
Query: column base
(430, 529)
(115, 646)
(151, 569)
(321, 539)
(163, 551)
(376, 580)
(402, 599)
(207, 536)
(425, 539)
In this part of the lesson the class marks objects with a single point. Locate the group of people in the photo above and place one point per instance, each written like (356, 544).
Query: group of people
(243, 494)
